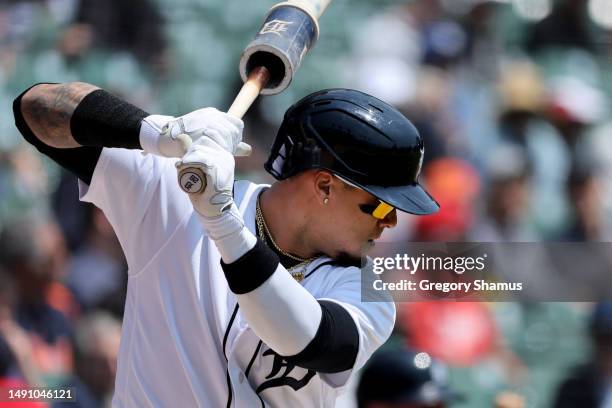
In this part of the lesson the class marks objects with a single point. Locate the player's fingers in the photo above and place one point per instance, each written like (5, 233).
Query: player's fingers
(238, 123)
(205, 150)
(184, 142)
(219, 136)
(207, 117)
(243, 149)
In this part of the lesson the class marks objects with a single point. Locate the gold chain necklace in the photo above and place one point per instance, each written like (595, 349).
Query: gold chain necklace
(262, 229)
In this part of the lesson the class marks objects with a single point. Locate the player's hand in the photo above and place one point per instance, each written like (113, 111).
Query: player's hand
(217, 164)
(175, 135)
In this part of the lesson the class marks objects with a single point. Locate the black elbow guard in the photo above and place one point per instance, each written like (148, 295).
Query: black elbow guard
(21, 124)
(335, 346)
(80, 161)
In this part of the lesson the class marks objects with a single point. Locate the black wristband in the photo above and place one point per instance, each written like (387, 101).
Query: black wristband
(251, 270)
(102, 119)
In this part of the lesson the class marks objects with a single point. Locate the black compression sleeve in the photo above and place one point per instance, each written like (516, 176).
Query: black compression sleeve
(335, 346)
(102, 119)
(80, 161)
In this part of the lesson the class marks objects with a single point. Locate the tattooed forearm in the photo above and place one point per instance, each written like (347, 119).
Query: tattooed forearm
(47, 109)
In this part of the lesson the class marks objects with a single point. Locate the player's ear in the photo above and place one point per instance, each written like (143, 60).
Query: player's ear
(323, 181)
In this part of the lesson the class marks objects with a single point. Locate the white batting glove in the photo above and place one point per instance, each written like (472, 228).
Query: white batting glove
(171, 137)
(217, 164)
(219, 215)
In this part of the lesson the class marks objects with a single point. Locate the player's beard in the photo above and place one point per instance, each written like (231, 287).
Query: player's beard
(344, 258)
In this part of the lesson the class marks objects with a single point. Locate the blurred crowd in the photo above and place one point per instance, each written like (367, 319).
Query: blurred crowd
(513, 98)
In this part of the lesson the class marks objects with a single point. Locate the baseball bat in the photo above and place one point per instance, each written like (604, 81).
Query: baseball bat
(268, 64)
(192, 179)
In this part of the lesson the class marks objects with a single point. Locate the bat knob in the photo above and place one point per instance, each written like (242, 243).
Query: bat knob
(191, 179)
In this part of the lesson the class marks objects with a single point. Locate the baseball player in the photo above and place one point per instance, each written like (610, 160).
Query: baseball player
(244, 295)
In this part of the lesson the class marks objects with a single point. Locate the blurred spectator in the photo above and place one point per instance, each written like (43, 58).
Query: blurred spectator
(455, 185)
(431, 112)
(75, 41)
(96, 350)
(97, 270)
(7, 360)
(523, 98)
(601, 150)
(24, 183)
(566, 27)
(573, 106)
(509, 400)
(111, 25)
(389, 49)
(484, 47)
(15, 346)
(444, 43)
(8, 381)
(584, 191)
(403, 379)
(591, 384)
(73, 216)
(32, 250)
(507, 198)
(455, 332)
(577, 107)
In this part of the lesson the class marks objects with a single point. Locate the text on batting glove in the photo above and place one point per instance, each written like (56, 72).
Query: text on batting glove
(217, 165)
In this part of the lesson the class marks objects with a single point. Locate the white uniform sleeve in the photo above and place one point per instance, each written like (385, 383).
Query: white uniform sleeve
(141, 199)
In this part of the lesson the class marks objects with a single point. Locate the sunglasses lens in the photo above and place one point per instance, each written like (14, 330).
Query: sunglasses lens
(379, 211)
(382, 211)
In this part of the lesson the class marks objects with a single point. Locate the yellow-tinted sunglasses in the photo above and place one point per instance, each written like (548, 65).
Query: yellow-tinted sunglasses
(378, 211)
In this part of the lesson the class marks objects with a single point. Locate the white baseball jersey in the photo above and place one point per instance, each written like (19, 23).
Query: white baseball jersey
(185, 342)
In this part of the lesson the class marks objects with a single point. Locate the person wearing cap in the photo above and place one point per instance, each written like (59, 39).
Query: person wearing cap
(242, 295)
(590, 385)
(403, 378)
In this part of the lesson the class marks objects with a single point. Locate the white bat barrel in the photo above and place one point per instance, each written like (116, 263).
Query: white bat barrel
(287, 33)
(268, 64)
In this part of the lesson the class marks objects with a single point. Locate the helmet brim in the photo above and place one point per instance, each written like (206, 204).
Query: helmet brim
(412, 199)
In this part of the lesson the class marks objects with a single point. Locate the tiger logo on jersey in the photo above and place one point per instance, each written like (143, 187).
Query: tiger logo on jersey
(285, 378)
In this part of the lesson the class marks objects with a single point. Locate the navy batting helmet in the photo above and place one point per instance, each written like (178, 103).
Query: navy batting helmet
(358, 137)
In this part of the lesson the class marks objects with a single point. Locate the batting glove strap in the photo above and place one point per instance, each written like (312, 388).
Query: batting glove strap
(220, 127)
(231, 237)
(155, 137)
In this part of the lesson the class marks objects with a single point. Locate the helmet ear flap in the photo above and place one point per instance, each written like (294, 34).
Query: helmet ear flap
(297, 157)
(279, 155)
(306, 155)
(289, 155)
